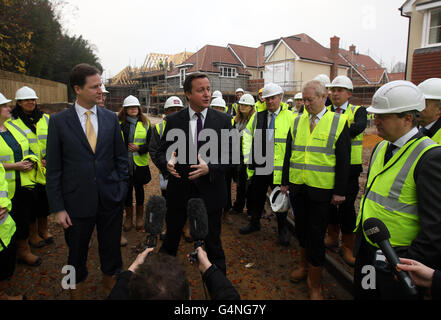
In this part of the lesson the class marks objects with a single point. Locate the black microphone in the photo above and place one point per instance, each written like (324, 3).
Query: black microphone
(378, 233)
(198, 220)
(154, 219)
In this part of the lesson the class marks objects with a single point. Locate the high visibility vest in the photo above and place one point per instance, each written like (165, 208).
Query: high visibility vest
(282, 126)
(7, 156)
(260, 106)
(390, 193)
(357, 142)
(140, 138)
(160, 127)
(7, 224)
(437, 137)
(235, 107)
(313, 154)
(38, 140)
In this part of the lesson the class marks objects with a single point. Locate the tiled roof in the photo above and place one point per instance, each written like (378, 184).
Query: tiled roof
(365, 65)
(251, 57)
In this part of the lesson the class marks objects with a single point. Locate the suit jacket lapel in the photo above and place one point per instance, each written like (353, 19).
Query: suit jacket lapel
(77, 129)
(101, 128)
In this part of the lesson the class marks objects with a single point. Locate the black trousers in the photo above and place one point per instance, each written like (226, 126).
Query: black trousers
(386, 287)
(40, 206)
(241, 188)
(108, 226)
(311, 221)
(175, 219)
(139, 193)
(344, 215)
(22, 211)
(7, 259)
(229, 175)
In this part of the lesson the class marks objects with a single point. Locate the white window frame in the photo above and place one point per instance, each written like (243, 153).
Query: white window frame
(182, 72)
(426, 29)
(231, 74)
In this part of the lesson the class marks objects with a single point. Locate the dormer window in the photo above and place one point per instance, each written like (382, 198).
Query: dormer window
(228, 72)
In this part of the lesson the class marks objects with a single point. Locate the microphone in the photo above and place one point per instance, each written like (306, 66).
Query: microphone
(378, 233)
(198, 220)
(154, 219)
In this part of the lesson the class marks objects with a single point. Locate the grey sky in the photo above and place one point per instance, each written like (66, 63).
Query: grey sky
(126, 31)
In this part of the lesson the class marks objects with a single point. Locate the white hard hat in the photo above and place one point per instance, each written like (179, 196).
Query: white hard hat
(289, 100)
(323, 78)
(25, 93)
(247, 99)
(298, 96)
(396, 97)
(431, 88)
(239, 90)
(217, 94)
(3, 99)
(342, 82)
(131, 101)
(218, 102)
(279, 201)
(173, 101)
(103, 89)
(271, 89)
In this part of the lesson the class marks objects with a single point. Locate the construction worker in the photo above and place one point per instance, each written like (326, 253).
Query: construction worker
(27, 117)
(260, 103)
(323, 78)
(14, 156)
(402, 190)
(219, 104)
(245, 111)
(267, 127)
(430, 117)
(290, 103)
(298, 103)
(234, 106)
(344, 215)
(104, 95)
(172, 105)
(136, 132)
(316, 169)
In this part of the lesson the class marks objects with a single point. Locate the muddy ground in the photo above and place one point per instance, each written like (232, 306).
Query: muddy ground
(257, 265)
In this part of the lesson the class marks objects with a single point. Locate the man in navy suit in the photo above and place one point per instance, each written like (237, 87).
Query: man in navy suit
(204, 179)
(87, 177)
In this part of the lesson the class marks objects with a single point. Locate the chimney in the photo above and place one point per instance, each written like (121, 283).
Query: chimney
(352, 49)
(335, 44)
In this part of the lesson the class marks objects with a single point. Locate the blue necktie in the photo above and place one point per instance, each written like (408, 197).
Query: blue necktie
(271, 127)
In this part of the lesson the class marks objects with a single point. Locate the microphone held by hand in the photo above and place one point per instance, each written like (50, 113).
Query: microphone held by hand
(198, 220)
(154, 219)
(378, 233)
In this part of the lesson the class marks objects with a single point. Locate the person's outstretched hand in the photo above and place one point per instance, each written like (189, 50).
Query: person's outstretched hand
(420, 274)
(140, 259)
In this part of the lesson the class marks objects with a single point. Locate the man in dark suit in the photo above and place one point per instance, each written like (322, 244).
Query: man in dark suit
(87, 177)
(203, 179)
(316, 165)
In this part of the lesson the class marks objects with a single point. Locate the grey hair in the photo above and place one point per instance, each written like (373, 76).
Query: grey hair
(319, 87)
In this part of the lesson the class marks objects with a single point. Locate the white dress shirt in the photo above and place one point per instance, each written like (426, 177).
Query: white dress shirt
(270, 114)
(343, 107)
(403, 140)
(194, 121)
(81, 112)
(318, 116)
(430, 125)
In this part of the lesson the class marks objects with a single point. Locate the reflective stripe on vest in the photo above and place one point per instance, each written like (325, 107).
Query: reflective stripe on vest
(140, 138)
(397, 205)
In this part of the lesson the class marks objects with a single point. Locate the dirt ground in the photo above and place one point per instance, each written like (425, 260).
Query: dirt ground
(257, 265)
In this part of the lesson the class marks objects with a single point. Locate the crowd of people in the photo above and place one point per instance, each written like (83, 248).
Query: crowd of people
(85, 163)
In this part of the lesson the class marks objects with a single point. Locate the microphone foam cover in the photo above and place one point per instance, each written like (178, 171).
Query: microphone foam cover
(198, 219)
(375, 230)
(154, 215)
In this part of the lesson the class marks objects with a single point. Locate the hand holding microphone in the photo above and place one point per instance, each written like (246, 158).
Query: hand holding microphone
(378, 233)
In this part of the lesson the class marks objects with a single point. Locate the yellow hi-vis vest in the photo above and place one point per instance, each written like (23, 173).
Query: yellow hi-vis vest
(313, 154)
(7, 224)
(357, 142)
(38, 141)
(160, 127)
(282, 126)
(437, 137)
(390, 193)
(140, 138)
(260, 106)
(7, 156)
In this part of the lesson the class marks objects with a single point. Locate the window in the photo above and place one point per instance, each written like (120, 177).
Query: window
(181, 77)
(435, 27)
(228, 72)
(268, 49)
